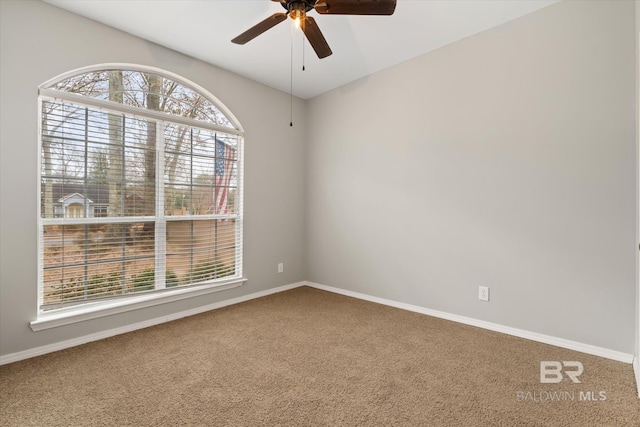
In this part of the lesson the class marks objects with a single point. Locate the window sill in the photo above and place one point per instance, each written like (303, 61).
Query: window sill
(108, 308)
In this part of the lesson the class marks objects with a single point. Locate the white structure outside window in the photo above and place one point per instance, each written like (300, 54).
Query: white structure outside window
(140, 189)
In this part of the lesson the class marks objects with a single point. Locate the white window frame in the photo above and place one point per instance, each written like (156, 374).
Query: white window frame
(100, 308)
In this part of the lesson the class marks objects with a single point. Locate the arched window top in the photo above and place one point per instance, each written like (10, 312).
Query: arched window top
(148, 89)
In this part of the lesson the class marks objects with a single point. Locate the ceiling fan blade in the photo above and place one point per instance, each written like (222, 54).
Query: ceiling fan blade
(260, 28)
(315, 37)
(356, 7)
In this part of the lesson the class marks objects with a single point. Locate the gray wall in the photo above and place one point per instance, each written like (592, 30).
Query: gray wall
(506, 160)
(39, 42)
(637, 40)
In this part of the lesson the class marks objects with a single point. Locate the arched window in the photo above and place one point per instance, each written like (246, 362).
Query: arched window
(140, 187)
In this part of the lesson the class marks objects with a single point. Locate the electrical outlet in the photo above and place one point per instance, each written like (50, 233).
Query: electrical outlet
(483, 293)
(281, 267)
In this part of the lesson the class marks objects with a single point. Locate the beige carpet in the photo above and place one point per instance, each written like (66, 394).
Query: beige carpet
(307, 357)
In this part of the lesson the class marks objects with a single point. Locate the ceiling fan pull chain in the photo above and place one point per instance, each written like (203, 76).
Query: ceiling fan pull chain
(303, 57)
(291, 80)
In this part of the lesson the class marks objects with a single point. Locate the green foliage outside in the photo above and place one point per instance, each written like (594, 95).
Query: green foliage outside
(105, 285)
(145, 281)
(111, 284)
(67, 290)
(209, 271)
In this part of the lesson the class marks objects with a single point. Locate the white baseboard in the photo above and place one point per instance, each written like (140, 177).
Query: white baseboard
(636, 369)
(38, 351)
(546, 339)
(533, 336)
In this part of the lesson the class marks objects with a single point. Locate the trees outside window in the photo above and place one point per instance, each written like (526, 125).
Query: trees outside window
(153, 168)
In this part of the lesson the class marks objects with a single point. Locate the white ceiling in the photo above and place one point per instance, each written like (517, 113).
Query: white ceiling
(361, 45)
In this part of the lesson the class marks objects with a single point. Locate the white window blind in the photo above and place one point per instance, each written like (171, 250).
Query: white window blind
(132, 204)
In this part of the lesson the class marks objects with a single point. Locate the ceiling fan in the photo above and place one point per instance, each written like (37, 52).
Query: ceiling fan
(297, 10)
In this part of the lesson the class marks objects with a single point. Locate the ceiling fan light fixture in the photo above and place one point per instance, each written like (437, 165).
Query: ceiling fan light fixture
(298, 12)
